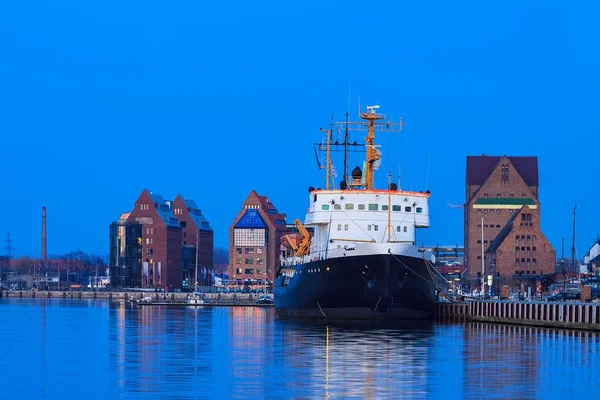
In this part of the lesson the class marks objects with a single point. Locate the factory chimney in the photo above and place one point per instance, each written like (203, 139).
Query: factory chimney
(44, 233)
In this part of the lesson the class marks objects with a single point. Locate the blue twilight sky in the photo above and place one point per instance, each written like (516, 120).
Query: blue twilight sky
(100, 100)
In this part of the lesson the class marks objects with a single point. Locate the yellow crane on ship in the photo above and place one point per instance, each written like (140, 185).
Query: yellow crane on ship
(304, 245)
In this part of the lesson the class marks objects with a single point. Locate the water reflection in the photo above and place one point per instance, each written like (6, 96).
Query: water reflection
(61, 349)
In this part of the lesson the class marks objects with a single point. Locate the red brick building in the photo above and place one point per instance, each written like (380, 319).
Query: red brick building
(497, 189)
(195, 229)
(520, 251)
(255, 241)
(161, 241)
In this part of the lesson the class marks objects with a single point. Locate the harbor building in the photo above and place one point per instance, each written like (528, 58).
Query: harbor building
(125, 256)
(197, 238)
(497, 189)
(161, 241)
(255, 241)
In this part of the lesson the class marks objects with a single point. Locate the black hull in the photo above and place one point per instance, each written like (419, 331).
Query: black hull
(361, 287)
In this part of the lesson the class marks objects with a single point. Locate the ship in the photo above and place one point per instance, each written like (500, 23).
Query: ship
(357, 256)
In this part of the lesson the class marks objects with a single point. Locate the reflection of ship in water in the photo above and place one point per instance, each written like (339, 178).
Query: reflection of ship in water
(355, 359)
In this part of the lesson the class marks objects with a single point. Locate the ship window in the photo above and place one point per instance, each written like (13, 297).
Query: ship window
(346, 227)
(419, 210)
(337, 206)
(361, 206)
(375, 227)
(407, 209)
(396, 208)
(405, 229)
(384, 207)
(339, 227)
(349, 206)
(373, 207)
(315, 198)
(397, 229)
(325, 207)
(368, 227)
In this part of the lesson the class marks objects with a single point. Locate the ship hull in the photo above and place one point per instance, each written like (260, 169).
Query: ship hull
(380, 286)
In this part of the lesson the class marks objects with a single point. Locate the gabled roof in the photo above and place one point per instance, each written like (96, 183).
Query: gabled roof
(506, 229)
(164, 211)
(480, 167)
(196, 215)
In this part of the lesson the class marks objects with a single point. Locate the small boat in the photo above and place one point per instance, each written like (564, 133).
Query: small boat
(196, 298)
(264, 299)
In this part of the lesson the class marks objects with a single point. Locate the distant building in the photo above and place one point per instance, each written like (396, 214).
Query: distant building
(195, 229)
(497, 189)
(161, 241)
(591, 260)
(125, 257)
(255, 241)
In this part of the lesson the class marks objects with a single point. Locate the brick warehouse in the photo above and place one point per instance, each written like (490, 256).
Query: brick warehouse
(166, 247)
(497, 190)
(255, 240)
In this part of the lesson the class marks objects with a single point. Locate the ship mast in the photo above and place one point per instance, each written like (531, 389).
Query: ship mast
(371, 125)
(327, 166)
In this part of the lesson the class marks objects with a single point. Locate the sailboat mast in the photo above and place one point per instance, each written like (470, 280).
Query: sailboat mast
(573, 246)
(196, 277)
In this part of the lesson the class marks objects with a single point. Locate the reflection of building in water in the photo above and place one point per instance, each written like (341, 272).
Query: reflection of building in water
(500, 360)
(250, 334)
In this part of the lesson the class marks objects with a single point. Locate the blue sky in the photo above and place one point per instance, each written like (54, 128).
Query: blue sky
(212, 99)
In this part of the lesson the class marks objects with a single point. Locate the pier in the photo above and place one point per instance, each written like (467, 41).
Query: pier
(163, 298)
(570, 315)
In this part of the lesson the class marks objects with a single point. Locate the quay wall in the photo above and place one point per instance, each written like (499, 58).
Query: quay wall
(570, 315)
(119, 296)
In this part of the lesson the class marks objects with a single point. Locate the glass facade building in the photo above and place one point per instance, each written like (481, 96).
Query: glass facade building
(125, 254)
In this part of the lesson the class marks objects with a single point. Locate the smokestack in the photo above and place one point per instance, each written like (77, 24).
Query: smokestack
(44, 233)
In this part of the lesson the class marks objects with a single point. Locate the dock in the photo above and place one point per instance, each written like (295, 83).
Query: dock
(154, 298)
(569, 314)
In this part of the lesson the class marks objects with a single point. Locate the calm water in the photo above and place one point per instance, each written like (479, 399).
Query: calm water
(67, 349)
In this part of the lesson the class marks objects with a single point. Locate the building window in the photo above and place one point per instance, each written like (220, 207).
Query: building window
(479, 242)
(249, 250)
(373, 207)
(533, 237)
(339, 227)
(396, 208)
(249, 237)
(147, 240)
(517, 248)
(361, 206)
(479, 257)
(238, 271)
(384, 207)
(528, 237)
(325, 207)
(238, 260)
(479, 225)
(528, 248)
(259, 250)
(522, 260)
(259, 271)
(349, 206)
(523, 195)
(249, 261)
(529, 260)
(419, 210)
(533, 260)
(486, 195)
(238, 250)
(533, 248)
(498, 226)
(259, 261)
(346, 227)
(249, 271)
(407, 209)
(375, 227)
(498, 195)
(405, 229)
(516, 261)
(505, 174)
(511, 195)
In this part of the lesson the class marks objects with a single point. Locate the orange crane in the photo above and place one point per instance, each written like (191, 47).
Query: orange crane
(304, 245)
